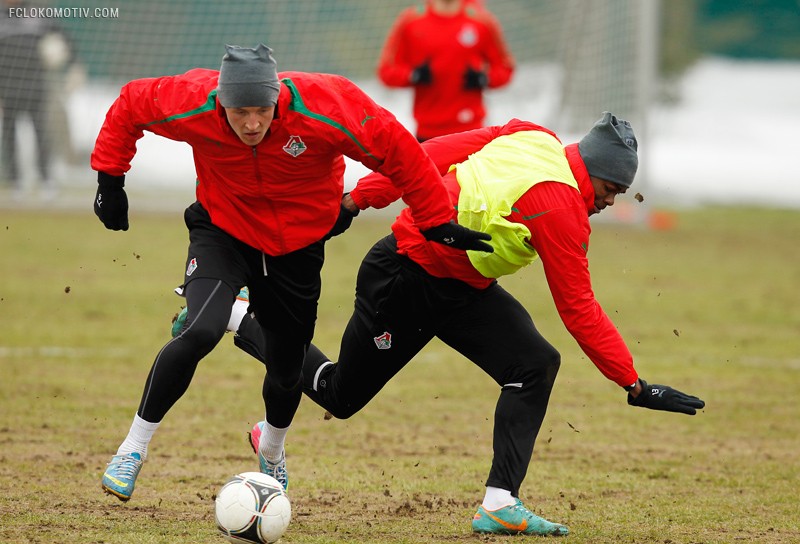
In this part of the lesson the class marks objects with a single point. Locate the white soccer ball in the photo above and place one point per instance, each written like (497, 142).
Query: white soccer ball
(252, 507)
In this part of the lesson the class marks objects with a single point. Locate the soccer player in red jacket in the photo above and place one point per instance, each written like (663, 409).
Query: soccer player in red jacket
(269, 154)
(518, 183)
(449, 51)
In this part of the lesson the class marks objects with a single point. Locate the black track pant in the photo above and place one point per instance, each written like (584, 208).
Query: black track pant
(209, 302)
(399, 308)
(283, 297)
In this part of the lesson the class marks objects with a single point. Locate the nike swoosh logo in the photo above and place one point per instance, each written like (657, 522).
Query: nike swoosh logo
(534, 216)
(118, 482)
(511, 526)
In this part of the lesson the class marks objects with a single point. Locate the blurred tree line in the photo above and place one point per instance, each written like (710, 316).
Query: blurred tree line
(744, 29)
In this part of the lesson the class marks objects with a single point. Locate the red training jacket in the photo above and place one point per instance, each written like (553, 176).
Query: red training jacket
(471, 38)
(284, 193)
(558, 218)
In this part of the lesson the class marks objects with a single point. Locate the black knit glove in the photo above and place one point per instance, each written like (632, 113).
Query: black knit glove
(664, 397)
(111, 202)
(421, 75)
(343, 221)
(454, 235)
(475, 79)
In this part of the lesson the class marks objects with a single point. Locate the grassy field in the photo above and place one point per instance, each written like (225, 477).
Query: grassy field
(710, 307)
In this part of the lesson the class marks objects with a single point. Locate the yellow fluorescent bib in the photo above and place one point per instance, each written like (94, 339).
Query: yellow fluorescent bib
(492, 180)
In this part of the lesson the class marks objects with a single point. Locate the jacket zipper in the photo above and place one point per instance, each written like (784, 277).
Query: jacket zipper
(279, 234)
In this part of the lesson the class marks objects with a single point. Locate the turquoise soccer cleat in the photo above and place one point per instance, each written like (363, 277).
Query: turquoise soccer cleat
(180, 318)
(119, 478)
(178, 322)
(276, 470)
(513, 520)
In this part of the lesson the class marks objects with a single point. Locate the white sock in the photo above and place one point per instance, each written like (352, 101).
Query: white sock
(139, 437)
(238, 312)
(272, 442)
(497, 498)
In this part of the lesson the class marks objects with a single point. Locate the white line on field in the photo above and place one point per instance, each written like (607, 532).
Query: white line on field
(63, 352)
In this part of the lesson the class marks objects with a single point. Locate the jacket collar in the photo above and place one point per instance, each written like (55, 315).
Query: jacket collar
(578, 168)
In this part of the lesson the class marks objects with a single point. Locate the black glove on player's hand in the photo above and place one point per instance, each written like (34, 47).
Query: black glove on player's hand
(111, 202)
(421, 75)
(475, 79)
(343, 221)
(454, 235)
(664, 397)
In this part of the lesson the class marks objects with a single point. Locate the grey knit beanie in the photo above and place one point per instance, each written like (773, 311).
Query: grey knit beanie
(609, 150)
(248, 78)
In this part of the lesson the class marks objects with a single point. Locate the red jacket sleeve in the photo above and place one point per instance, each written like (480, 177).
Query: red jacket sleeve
(394, 68)
(387, 147)
(560, 234)
(498, 56)
(116, 144)
(141, 104)
(375, 191)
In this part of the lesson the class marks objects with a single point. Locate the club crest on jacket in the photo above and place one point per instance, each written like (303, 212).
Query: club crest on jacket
(295, 146)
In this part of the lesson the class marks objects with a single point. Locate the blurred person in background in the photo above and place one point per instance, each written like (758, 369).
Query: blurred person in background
(65, 75)
(534, 196)
(449, 51)
(32, 50)
(269, 154)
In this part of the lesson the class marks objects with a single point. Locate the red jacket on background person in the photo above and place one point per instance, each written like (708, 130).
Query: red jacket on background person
(284, 193)
(558, 218)
(472, 38)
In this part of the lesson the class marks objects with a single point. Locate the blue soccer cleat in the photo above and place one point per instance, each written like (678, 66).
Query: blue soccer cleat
(178, 322)
(276, 470)
(180, 318)
(119, 478)
(514, 520)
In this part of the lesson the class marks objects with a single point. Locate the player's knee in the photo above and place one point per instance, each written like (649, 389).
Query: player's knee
(552, 359)
(343, 412)
(539, 369)
(551, 364)
(202, 338)
(290, 380)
